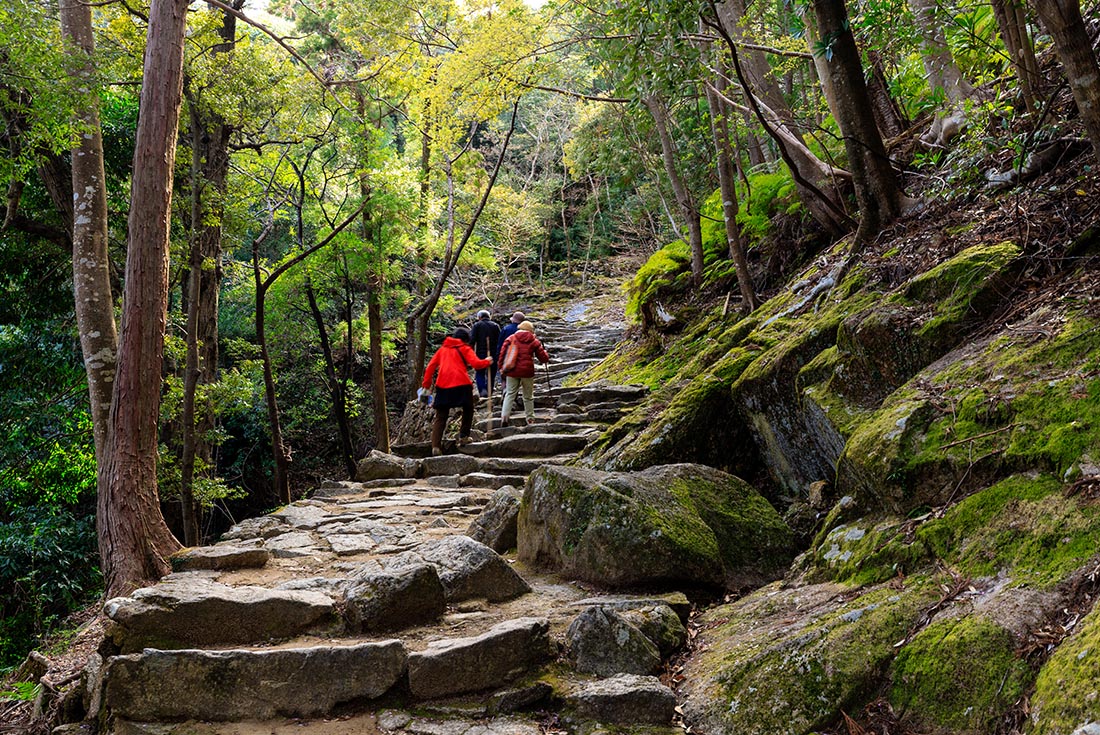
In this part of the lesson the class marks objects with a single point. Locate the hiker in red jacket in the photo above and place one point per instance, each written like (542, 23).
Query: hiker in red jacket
(521, 373)
(453, 388)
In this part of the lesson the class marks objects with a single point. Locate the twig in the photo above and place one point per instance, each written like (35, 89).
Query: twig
(978, 436)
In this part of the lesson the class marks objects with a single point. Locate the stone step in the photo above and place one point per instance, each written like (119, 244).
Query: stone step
(528, 445)
(158, 685)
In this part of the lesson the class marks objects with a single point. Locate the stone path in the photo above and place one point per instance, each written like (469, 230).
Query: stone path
(367, 608)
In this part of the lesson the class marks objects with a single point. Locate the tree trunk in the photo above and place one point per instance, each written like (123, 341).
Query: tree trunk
(1062, 19)
(684, 199)
(731, 14)
(210, 170)
(335, 385)
(416, 323)
(280, 479)
(134, 542)
(815, 180)
(95, 309)
(727, 183)
(378, 370)
(1012, 22)
(890, 119)
(878, 193)
(941, 72)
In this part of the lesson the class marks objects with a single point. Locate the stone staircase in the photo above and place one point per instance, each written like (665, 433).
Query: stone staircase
(396, 603)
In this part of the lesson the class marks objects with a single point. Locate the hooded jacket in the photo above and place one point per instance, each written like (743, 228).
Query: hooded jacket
(529, 349)
(449, 361)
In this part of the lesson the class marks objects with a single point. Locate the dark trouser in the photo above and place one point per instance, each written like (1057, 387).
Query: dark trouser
(439, 423)
(482, 381)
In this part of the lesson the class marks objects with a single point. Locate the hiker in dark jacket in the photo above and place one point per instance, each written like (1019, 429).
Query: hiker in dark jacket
(522, 373)
(453, 388)
(485, 338)
(509, 329)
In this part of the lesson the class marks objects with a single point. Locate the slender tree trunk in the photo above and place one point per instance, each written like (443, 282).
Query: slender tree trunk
(417, 321)
(210, 170)
(378, 369)
(815, 180)
(684, 199)
(942, 72)
(727, 184)
(1062, 19)
(335, 385)
(280, 479)
(1012, 21)
(878, 193)
(95, 311)
(134, 541)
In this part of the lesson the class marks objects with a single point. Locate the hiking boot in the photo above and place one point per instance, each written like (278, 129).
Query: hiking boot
(436, 451)
(504, 422)
(464, 440)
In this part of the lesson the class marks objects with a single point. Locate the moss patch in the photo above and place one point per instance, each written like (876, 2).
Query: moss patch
(960, 675)
(1067, 690)
(1024, 526)
(790, 660)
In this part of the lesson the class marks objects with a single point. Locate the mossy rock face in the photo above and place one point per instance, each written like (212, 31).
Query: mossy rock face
(960, 675)
(867, 551)
(699, 424)
(674, 524)
(1027, 399)
(884, 346)
(789, 660)
(1067, 689)
(1023, 526)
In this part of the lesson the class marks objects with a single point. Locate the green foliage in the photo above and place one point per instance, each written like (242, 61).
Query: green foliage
(44, 572)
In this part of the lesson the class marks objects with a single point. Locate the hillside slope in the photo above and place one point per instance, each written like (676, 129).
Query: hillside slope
(927, 415)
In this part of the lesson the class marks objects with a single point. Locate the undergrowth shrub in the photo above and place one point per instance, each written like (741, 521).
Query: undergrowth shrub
(48, 568)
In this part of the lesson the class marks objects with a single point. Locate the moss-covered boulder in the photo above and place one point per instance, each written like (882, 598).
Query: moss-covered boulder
(787, 660)
(673, 524)
(882, 347)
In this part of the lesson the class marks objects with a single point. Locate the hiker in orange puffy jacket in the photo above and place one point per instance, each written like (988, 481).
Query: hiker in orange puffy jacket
(522, 374)
(453, 388)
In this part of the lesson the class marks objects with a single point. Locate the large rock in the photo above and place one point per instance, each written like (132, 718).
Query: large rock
(381, 466)
(539, 445)
(496, 525)
(626, 699)
(603, 642)
(683, 524)
(198, 612)
(220, 557)
(382, 601)
(467, 569)
(494, 658)
(789, 659)
(236, 685)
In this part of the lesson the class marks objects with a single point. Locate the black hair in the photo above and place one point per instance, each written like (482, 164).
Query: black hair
(461, 333)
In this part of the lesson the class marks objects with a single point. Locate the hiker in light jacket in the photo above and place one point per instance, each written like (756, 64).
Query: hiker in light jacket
(509, 329)
(522, 374)
(453, 388)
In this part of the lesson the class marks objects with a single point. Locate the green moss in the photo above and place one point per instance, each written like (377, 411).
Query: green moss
(1036, 407)
(771, 676)
(1023, 526)
(1067, 689)
(954, 281)
(960, 674)
(867, 552)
